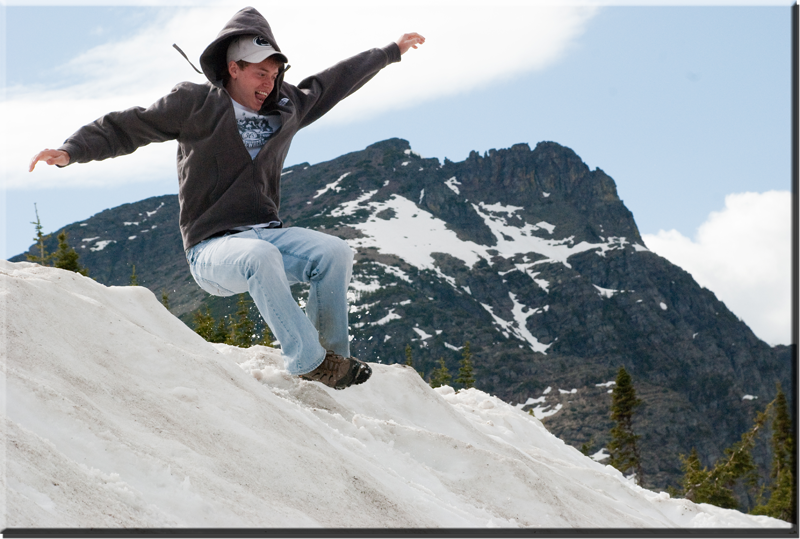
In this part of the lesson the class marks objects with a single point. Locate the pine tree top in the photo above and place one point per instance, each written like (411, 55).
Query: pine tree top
(43, 257)
(466, 374)
(66, 257)
(623, 397)
(441, 375)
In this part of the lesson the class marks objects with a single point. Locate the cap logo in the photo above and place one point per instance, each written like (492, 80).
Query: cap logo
(259, 41)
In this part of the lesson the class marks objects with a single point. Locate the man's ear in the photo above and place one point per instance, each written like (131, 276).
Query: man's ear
(233, 69)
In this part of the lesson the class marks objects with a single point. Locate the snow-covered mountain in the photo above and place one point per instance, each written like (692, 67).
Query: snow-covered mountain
(118, 415)
(527, 254)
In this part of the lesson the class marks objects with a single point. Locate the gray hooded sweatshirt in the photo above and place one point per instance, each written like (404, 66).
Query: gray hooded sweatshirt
(220, 186)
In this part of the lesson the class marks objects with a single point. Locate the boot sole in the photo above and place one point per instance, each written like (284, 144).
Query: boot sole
(364, 372)
(351, 377)
(358, 374)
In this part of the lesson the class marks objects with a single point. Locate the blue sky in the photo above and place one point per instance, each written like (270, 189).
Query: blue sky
(682, 105)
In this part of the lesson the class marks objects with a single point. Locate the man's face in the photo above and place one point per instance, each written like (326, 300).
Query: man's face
(251, 86)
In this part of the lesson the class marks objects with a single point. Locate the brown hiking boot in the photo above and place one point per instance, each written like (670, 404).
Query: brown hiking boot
(338, 372)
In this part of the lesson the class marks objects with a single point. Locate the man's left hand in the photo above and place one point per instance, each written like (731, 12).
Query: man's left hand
(409, 41)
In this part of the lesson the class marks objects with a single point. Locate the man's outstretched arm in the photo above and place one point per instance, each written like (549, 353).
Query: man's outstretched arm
(122, 132)
(51, 157)
(319, 93)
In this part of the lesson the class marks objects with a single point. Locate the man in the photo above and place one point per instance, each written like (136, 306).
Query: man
(233, 135)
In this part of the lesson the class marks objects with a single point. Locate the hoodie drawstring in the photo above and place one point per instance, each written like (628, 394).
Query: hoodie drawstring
(187, 58)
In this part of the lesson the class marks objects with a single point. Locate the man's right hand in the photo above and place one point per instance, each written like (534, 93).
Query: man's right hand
(409, 41)
(51, 157)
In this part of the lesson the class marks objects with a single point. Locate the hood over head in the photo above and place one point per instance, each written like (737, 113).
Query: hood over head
(213, 61)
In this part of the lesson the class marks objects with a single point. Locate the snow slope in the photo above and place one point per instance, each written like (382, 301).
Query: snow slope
(118, 415)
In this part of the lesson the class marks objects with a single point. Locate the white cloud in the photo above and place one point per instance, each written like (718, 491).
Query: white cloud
(467, 48)
(743, 255)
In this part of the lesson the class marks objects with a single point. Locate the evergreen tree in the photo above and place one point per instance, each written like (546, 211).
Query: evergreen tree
(204, 324)
(165, 299)
(208, 328)
(586, 447)
(221, 332)
(715, 486)
(698, 486)
(410, 359)
(466, 375)
(623, 446)
(66, 257)
(43, 258)
(134, 279)
(782, 502)
(441, 376)
(266, 337)
(242, 327)
(240, 331)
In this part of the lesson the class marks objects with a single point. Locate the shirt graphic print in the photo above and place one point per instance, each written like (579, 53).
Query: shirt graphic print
(254, 128)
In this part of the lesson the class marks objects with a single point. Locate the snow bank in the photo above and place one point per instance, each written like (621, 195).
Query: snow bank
(118, 415)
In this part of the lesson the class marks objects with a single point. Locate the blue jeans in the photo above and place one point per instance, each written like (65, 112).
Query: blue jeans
(265, 262)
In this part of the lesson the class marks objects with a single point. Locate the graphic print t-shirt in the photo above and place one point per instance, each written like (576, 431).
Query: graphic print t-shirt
(254, 128)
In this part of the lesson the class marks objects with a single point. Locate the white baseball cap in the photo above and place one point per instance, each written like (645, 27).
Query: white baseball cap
(253, 49)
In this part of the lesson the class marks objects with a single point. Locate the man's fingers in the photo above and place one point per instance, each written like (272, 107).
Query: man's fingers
(39, 157)
(410, 40)
(50, 157)
(34, 160)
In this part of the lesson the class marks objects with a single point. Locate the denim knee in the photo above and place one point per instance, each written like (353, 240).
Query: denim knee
(336, 255)
(262, 256)
(342, 252)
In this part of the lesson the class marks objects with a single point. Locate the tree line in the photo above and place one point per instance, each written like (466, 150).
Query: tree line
(239, 330)
(776, 495)
(441, 376)
(64, 258)
(236, 330)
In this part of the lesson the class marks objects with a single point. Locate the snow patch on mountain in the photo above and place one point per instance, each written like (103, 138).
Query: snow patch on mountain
(350, 207)
(151, 213)
(388, 318)
(100, 245)
(500, 208)
(521, 314)
(333, 186)
(422, 334)
(420, 234)
(452, 183)
(518, 327)
(512, 240)
(525, 268)
(605, 292)
(413, 234)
